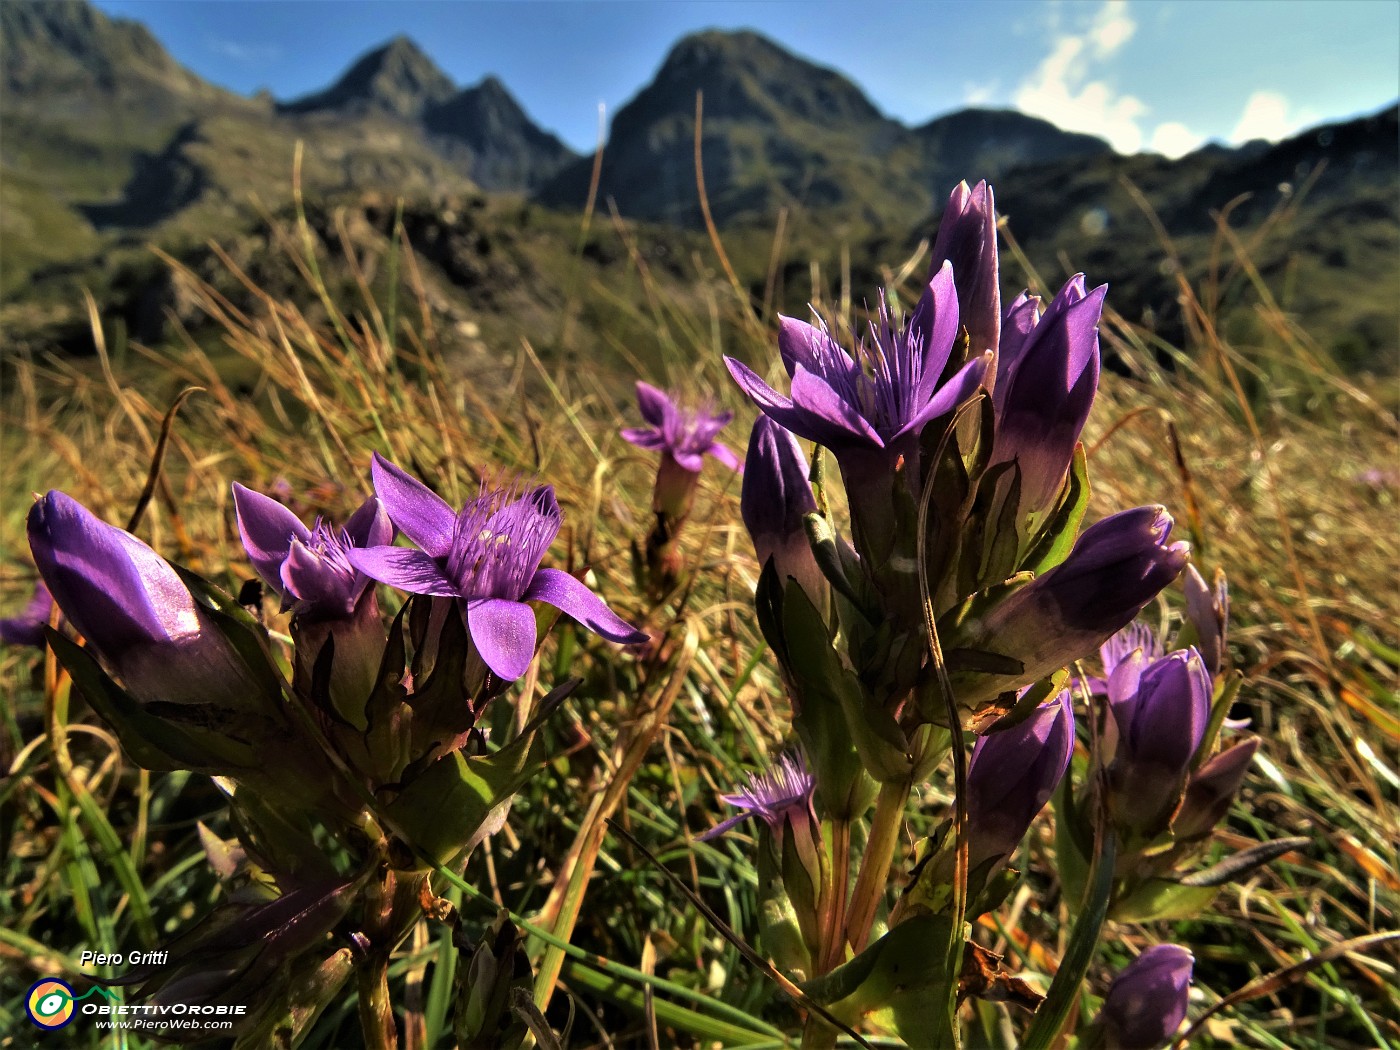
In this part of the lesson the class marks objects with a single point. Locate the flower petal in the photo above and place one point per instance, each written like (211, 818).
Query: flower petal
(952, 394)
(644, 437)
(830, 420)
(567, 594)
(654, 403)
(804, 344)
(267, 529)
(404, 568)
(419, 512)
(936, 320)
(503, 633)
(319, 589)
(762, 395)
(722, 453)
(370, 525)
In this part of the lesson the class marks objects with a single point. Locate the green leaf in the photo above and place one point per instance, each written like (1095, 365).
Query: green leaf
(153, 742)
(898, 982)
(446, 804)
(1162, 899)
(1053, 544)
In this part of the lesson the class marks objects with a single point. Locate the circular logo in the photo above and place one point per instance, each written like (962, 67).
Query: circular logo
(50, 1003)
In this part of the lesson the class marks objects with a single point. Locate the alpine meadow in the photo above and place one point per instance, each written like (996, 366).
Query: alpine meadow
(787, 578)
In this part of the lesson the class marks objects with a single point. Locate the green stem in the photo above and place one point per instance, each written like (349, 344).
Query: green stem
(375, 1007)
(833, 948)
(875, 865)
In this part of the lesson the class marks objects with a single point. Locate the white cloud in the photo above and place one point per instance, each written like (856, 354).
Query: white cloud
(251, 53)
(1060, 91)
(1174, 139)
(1069, 88)
(975, 94)
(1268, 115)
(1112, 28)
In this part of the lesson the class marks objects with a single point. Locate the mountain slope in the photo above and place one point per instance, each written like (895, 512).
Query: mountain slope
(396, 80)
(504, 148)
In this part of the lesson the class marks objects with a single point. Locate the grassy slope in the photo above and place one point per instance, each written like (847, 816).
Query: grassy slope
(1276, 477)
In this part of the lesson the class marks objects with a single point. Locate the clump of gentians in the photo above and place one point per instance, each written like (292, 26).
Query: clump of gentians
(349, 783)
(956, 430)
(684, 435)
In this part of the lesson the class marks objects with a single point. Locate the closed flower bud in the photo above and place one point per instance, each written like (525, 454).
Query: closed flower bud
(967, 238)
(1208, 611)
(1146, 1002)
(1046, 379)
(1211, 790)
(1160, 710)
(1115, 568)
(776, 497)
(134, 610)
(1011, 776)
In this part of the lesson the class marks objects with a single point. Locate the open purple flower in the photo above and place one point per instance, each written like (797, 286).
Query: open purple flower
(784, 791)
(28, 627)
(869, 409)
(487, 556)
(684, 437)
(1146, 1002)
(309, 568)
(687, 435)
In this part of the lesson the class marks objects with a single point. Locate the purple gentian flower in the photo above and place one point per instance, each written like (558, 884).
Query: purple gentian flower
(774, 797)
(1115, 568)
(684, 437)
(1047, 376)
(133, 609)
(967, 238)
(1160, 710)
(1011, 776)
(309, 568)
(28, 627)
(1118, 648)
(775, 499)
(1146, 1002)
(487, 556)
(870, 409)
(685, 434)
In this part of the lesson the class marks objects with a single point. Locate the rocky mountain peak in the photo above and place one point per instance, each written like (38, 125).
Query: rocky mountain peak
(397, 79)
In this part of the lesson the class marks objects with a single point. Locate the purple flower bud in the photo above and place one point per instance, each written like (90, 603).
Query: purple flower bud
(487, 556)
(1208, 610)
(776, 497)
(1047, 375)
(28, 627)
(967, 238)
(133, 609)
(1211, 789)
(1146, 1002)
(1160, 710)
(1012, 775)
(1115, 568)
(309, 568)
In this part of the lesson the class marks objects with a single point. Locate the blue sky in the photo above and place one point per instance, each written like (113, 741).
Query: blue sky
(1145, 74)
